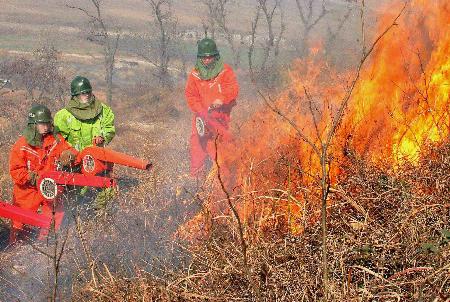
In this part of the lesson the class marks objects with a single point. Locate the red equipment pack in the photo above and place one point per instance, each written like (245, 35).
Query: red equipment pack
(50, 183)
(94, 160)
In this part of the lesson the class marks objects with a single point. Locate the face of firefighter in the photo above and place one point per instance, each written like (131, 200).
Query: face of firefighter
(43, 128)
(85, 97)
(207, 60)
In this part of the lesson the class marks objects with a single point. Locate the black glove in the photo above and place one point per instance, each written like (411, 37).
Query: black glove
(33, 178)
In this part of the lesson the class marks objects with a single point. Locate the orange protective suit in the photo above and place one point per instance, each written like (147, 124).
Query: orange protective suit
(24, 159)
(200, 95)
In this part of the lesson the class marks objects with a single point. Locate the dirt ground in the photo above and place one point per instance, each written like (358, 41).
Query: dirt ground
(138, 224)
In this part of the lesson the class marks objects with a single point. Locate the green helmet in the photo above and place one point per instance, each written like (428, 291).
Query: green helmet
(39, 114)
(80, 85)
(207, 47)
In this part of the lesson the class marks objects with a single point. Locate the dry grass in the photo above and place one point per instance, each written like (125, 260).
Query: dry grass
(387, 228)
(388, 241)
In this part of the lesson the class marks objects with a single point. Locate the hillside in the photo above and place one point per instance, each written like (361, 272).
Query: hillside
(330, 183)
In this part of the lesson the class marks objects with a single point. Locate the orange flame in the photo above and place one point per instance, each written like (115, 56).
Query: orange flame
(400, 103)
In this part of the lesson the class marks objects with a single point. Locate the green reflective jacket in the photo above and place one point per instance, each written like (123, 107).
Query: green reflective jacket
(79, 133)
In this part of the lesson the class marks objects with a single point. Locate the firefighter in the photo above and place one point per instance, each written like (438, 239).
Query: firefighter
(38, 150)
(211, 93)
(85, 121)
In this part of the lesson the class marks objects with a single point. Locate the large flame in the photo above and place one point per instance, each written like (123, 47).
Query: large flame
(400, 103)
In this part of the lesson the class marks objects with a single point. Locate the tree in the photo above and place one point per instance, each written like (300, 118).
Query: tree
(217, 18)
(333, 31)
(270, 45)
(160, 45)
(309, 18)
(324, 133)
(104, 35)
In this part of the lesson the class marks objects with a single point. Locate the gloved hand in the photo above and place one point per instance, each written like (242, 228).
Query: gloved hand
(33, 176)
(66, 158)
(98, 140)
(216, 104)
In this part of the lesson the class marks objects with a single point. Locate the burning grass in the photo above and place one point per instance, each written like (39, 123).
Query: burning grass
(388, 205)
(388, 240)
(388, 228)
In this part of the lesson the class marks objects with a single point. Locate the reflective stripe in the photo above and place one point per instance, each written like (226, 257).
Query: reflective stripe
(55, 143)
(29, 150)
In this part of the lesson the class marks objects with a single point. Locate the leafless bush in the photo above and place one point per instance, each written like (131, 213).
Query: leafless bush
(263, 55)
(388, 239)
(41, 76)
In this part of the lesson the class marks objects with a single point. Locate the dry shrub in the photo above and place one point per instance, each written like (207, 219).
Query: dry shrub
(41, 75)
(388, 240)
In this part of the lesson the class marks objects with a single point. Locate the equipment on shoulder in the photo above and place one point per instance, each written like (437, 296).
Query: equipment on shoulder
(96, 159)
(50, 184)
(79, 86)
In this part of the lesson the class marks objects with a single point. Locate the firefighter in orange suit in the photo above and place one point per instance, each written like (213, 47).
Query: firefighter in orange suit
(211, 93)
(38, 150)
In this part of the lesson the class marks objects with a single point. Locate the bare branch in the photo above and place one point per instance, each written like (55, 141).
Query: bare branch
(232, 208)
(300, 133)
(337, 121)
(316, 126)
(84, 11)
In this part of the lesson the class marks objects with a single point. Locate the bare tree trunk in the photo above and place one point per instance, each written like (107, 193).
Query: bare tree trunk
(217, 20)
(161, 55)
(109, 83)
(332, 34)
(309, 20)
(100, 34)
(265, 72)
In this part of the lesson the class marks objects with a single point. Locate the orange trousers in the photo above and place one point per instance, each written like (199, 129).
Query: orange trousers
(202, 148)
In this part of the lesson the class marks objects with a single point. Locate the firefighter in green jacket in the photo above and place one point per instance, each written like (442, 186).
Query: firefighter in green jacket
(85, 121)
